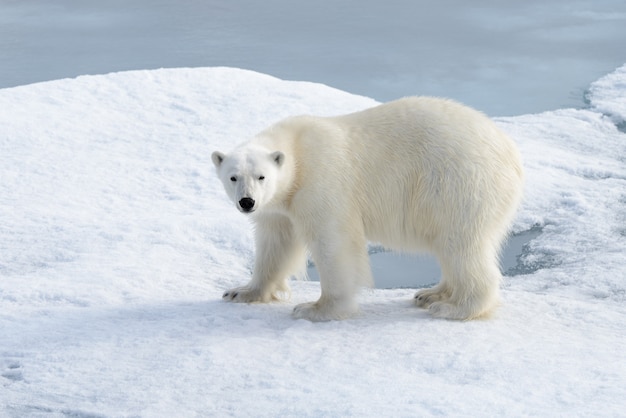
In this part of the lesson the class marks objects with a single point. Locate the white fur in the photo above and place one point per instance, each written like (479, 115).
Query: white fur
(416, 174)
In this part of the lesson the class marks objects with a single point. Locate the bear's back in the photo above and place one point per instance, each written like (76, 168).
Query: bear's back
(417, 163)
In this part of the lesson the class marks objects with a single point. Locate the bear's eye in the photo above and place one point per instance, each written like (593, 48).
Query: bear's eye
(261, 178)
(233, 179)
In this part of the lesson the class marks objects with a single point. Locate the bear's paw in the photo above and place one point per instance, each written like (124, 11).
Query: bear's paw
(320, 312)
(246, 295)
(461, 312)
(425, 297)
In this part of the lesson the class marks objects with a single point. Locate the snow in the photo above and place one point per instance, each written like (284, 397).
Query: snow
(606, 95)
(117, 241)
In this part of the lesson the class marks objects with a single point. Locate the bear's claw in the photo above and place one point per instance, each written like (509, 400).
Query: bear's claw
(425, 297)
(242, 294)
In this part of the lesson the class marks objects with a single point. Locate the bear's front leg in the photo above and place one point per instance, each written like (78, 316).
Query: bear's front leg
(279, 255)
(343, 264)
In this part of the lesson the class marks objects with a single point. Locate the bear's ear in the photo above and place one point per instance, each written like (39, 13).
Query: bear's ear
(217, 158)
(278, 157)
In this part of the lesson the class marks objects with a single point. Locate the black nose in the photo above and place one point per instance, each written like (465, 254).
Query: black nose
(246, 204)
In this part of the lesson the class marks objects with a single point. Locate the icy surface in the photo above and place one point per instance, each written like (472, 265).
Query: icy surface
(117, 241)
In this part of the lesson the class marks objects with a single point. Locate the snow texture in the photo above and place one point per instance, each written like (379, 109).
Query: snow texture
(117, 241)
(607, 95)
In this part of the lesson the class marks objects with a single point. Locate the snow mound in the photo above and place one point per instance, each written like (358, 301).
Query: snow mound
(606, 95)
(117, 241)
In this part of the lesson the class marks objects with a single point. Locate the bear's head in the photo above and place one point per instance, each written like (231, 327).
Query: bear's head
(250, 176)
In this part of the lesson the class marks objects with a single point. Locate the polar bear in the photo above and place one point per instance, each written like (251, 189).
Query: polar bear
(416, 174)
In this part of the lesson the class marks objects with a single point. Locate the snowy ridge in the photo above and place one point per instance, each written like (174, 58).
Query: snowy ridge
(606, 95)
(117, 241)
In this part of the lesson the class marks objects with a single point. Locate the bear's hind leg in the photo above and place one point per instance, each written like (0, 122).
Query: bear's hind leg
(472, 282)
(279, 255)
